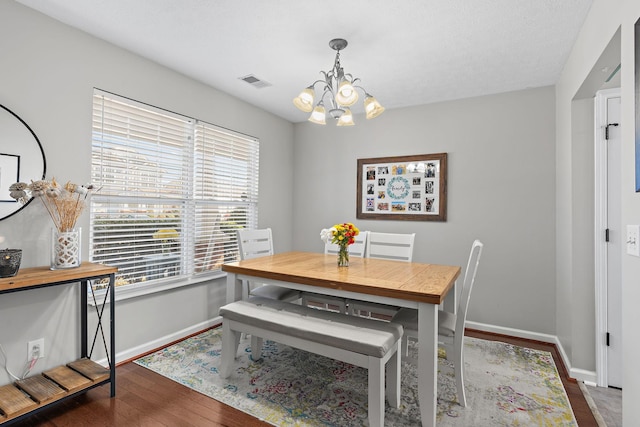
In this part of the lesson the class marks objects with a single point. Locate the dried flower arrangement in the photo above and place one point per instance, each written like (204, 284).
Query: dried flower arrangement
(63, 203)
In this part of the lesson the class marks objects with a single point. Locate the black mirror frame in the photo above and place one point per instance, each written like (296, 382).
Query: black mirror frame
(44, 159)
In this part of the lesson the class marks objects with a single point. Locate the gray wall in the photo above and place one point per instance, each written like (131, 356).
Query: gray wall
(501, 182)
(47, 77)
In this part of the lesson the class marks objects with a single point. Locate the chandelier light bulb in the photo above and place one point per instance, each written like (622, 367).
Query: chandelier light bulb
(318, 116)
(346, 119)
(372, 107)
(304, 101)
(347, 95)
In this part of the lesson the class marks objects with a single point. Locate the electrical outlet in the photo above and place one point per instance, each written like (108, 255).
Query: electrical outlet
(35, 349)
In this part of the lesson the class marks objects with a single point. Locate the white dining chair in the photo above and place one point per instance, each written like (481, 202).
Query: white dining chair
(328, 302)
(391, 246)
(450, 325)
(254, 243)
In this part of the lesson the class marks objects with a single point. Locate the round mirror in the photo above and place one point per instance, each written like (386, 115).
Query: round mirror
(21, 158)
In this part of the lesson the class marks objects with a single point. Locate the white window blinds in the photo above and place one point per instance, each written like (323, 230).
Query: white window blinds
(173, 192)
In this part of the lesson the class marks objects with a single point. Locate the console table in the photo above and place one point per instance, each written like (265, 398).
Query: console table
(32, 394)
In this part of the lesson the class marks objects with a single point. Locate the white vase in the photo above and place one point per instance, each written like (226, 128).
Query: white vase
(65, 248)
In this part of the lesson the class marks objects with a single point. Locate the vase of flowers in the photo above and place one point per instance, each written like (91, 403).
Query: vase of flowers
(342, 235)
(64, 205)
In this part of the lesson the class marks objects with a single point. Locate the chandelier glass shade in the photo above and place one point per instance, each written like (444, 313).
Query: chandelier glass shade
(340, 92)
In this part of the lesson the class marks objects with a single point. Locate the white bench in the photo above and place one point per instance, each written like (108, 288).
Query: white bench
(362, 342)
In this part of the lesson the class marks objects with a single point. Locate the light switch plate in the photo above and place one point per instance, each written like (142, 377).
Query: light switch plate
(633, 244)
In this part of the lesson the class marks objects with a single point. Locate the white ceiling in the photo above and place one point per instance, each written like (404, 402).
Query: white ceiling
(406, 53)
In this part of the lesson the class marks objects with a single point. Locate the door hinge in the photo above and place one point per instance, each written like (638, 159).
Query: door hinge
(606, 130)
(607, 339)
(606, 235)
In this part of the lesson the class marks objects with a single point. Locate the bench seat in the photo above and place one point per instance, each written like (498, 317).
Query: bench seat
(367, 343)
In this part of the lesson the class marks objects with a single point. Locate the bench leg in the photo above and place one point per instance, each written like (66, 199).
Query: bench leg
(230, 341)
(376, 392)
(256, 348)
(393, 377)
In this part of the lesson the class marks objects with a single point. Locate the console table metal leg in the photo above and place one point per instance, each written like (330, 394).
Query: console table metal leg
(83, 317)
(112, 320)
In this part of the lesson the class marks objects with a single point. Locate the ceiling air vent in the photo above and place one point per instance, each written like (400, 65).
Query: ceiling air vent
(255, 82)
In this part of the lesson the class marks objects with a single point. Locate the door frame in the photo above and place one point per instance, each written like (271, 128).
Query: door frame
(601, 223)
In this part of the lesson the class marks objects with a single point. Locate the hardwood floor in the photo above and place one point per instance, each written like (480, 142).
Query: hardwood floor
(144, 398)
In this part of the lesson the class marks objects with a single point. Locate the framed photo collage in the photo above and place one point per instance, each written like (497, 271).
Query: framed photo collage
(403, 188)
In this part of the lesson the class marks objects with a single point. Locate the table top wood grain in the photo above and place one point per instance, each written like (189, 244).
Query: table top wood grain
(412, 281)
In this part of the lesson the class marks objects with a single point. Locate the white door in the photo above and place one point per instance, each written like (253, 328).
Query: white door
(615, 245)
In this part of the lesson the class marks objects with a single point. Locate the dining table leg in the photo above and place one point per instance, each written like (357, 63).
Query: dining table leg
(428, 362)
(234, 288)
(450, 303)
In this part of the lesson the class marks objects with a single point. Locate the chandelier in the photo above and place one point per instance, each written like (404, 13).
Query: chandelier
(339, 90)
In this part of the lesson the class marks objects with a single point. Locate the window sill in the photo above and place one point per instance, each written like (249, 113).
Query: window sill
(136, 291)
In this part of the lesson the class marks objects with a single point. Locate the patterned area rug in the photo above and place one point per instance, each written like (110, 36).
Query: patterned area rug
(506, 385)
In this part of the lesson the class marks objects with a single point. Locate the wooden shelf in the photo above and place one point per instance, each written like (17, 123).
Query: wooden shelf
(38, 391)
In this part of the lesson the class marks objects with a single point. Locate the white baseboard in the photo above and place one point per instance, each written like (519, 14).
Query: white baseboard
(162, 341)
(588, 377)
(578, 374)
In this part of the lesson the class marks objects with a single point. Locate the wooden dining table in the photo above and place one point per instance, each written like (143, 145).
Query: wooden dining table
(403, 284)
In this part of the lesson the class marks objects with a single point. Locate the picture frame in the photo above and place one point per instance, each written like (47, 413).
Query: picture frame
(406, 188)
(9, 174)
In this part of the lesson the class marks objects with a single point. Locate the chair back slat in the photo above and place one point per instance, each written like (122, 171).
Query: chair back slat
(357, 249)
(391, 246)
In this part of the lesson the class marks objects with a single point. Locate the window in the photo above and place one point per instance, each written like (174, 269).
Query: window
(172, 193)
